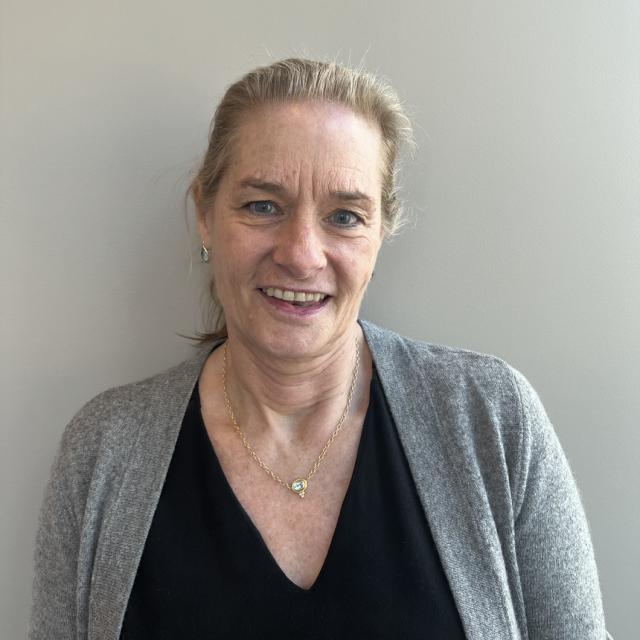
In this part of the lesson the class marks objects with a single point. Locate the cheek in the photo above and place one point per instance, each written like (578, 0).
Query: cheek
(239, 254)
(356, 267)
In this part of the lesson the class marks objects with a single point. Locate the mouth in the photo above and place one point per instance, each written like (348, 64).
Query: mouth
(296, 298)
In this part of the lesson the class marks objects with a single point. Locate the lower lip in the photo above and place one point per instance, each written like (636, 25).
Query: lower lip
(292, 310)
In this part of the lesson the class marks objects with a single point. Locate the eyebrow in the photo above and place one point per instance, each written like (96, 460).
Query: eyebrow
(262, 185)
(351, 195)
(277, 188)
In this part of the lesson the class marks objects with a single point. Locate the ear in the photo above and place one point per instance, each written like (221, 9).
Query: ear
(204, 229)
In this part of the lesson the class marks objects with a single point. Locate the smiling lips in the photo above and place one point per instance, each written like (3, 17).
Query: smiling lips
(296, 298)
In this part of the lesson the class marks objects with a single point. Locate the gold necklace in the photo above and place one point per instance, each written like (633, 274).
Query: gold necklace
(299, 485)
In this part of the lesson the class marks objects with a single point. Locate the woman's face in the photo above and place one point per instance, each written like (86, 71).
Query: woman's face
(297, 212)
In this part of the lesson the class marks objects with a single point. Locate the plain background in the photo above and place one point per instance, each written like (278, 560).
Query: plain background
(524, 197)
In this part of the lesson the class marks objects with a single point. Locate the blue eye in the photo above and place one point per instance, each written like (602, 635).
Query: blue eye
(345, 218)
(262, 207)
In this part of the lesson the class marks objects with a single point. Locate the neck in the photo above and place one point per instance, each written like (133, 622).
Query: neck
(291, 400)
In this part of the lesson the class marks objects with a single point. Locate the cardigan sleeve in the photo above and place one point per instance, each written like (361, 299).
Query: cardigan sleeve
(59, 564)
(53, 610)
(553, 546)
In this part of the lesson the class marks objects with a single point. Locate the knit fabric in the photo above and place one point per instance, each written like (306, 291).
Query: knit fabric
(491, 476)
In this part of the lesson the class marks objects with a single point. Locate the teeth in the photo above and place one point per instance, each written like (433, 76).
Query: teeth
(294, 296)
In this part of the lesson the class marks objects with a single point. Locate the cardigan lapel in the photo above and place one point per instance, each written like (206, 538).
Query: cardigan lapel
(448, 488)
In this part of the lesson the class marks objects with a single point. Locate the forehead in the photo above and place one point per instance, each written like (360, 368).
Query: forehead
(321, 144)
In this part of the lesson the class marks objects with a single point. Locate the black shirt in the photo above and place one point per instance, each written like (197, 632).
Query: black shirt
(206, 572)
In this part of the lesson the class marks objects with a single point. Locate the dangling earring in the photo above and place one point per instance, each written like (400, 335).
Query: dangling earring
(204, 253)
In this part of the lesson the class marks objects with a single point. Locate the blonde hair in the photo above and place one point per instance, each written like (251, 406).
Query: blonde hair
(296, 79)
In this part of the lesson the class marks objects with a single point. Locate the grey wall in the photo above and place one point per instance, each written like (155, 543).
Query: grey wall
(525, 196)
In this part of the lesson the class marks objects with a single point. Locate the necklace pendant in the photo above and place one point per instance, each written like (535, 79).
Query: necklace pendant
(299, 486)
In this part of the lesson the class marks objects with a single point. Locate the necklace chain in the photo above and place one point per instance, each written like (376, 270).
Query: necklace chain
(299, 485)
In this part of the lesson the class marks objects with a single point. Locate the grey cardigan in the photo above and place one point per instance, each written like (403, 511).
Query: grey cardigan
(495, 485)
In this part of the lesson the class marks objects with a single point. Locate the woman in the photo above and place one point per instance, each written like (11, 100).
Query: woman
(308, 474)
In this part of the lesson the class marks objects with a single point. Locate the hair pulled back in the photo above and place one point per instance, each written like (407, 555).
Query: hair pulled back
(297, 79)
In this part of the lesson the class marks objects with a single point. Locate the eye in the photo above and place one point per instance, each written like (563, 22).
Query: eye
(345, 218)
(262, 207)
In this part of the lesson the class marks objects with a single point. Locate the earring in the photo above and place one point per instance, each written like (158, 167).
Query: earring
(204, 253)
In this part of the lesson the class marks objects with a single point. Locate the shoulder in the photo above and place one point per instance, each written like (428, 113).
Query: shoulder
(451, 375)
(478, 404)
(109, 422)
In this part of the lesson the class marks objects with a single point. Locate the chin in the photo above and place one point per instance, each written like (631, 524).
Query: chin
(290, 344)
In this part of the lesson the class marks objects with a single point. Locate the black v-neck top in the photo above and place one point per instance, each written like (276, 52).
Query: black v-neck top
(206, 572)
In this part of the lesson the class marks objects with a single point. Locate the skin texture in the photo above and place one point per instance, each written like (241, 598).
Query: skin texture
(289, 371)
(310, 149)
(285, 366)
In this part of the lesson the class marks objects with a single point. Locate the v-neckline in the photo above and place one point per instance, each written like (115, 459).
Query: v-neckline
(254, 529)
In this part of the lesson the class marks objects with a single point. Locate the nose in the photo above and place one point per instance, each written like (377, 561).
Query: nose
(299, 246)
